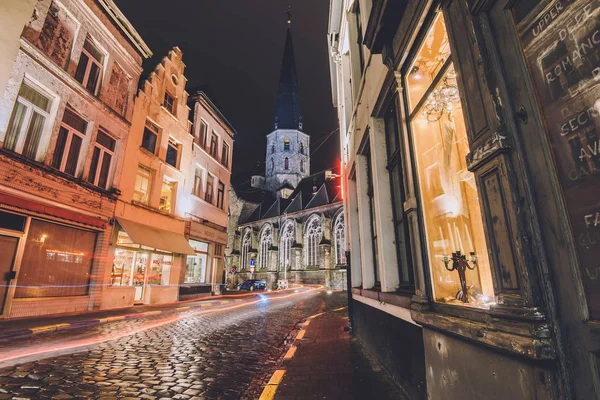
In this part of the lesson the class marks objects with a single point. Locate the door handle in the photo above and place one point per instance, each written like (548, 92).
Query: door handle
(10, 275)
(522, 114)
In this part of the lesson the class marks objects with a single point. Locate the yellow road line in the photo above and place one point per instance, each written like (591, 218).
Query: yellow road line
(62, 326)
(152, 312)
(277, 377)
(41, 329)
(301, 334)
(111, 319)
(182, 308)
(290, 353)
(268, 393)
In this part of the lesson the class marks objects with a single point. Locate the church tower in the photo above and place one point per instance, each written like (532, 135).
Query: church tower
(288, 147)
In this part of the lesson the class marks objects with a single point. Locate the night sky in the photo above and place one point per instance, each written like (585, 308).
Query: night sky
(235, 47)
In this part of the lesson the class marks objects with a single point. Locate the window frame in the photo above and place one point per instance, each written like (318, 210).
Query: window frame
(209, 193)
(225, 154)
(201, 139)
(169, 106)
(313, 239)
(176, 146)
(71, 131)
(339, 225)
(103, 152)
(91, 60)
(148, 177)
(173, 186)
(287, 145)
(287, 240)
(286, 164)
(372, 214)
(246, 246)
(149, 125)
(266, 241)
(221, 195)
(198, 190)
(214, 145)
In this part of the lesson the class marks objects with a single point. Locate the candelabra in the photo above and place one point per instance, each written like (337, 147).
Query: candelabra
(460, 264)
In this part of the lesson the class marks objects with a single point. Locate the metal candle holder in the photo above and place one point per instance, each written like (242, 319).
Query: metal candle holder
(460, 264)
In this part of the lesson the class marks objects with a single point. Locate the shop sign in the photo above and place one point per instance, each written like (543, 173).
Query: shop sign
(562, 48)
(203, 232)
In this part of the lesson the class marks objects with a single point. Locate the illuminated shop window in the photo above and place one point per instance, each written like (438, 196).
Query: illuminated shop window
(449, 196)
(196, 265)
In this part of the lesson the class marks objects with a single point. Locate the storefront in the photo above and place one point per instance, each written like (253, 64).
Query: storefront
(146, 263)
(204, 269)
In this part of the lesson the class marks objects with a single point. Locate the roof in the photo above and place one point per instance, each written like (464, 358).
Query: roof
(123, 23)
(312, 192)
(288, 113)
(200, 94)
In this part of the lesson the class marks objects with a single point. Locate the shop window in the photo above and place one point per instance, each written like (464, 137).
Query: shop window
(68, 145)
(57, 261)
(172, 157)
(12, 222)
(225, 155)
(220, 195)
(266, 240)
(458, 256)
(340, 240)
(214, 143)
(314, 234)
(196, 265)
(141, 189)
(198, 175)
(150, 137)
(89, 69)
(210, 182)
(28, 122)
(286, 145)
(202, 134)
(169, 103)
(167, 197)
(160, 269)
(104, 151)
(287, 240)
(245, 256)
(394, 167)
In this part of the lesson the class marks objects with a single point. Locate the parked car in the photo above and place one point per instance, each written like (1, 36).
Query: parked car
(253, 284)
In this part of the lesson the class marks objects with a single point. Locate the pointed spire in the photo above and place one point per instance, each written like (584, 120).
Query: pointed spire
(288, 113)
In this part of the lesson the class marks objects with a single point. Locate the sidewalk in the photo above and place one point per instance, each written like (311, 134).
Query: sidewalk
(25, 327)
(325, 363)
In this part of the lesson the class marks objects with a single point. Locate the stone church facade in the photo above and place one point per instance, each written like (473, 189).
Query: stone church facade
(288, 224)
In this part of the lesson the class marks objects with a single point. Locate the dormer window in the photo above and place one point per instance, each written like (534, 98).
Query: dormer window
(286, 145)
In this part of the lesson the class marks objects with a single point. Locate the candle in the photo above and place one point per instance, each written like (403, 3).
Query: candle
(460, 243)
(469, 241)
(451, 238)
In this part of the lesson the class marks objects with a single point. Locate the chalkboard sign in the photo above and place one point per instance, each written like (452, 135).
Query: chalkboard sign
(562, 48)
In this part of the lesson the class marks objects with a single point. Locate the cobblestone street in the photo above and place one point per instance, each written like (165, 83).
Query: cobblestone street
(224, 354)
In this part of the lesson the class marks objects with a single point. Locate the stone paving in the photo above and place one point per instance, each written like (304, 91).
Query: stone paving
(227, 354)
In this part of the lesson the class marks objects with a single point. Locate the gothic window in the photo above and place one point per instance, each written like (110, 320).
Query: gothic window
(272, 165)
(301, 148)
(314, 234)
(266, 238)
(302, 165)
(287, 163)
(286, 145)
(272, 148)
(246, 250)
(287, 240)
(340, 240)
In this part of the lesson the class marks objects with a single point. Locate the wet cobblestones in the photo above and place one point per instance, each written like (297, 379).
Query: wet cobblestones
(227, 354)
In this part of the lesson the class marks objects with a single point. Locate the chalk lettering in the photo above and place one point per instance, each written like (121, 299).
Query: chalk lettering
(568, 64)
(593, 274)
(580, 120)
(547, 18)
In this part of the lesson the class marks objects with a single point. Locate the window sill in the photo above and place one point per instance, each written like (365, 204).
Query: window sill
(207, 203)
(210, 155)
(170, 113)
(150, 208)
(394, 298)
(520, 331)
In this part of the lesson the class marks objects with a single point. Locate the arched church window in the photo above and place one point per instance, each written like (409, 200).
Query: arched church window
(287, 163)
(286, 144)
(272, 148)
(266, 238)
(246, 250)
(287, 240)
(340, 240)
(272, 165)
(314, 234)
(301, 148)
(302, 165)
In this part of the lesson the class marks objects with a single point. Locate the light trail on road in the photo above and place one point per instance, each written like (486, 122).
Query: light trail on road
(13, 357)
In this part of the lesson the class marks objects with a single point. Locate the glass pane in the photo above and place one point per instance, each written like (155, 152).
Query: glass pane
(93, 50)
(149, 140)
(59, 150)
(171, 158)
(56, 262)
(391, 129)
(431, 57)
(11, 221)
(73, 156)
(14, 126)
(166, 197)
(122, 269)
(34, 133)
(199, 246)
(74, 121)
(93, 78)
(8, 249)
(105, 140)
(103, 179)
(160, 269)
(94, 165)
(81, 67)
(139, 272)
(141, 189)
(450, 201)
(34, 97)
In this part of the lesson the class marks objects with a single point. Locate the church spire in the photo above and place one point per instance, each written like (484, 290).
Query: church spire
(288, 114)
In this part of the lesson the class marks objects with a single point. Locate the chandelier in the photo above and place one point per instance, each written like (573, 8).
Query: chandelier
(441, 98)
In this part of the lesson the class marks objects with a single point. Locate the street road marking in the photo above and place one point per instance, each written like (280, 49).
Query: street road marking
(111, 319)
(290, 353)
(152, 312)
(277, 377)
(301, 334)
(225, 302)
(182, 308)
(268, 393)
(62, 326)
(41, 329)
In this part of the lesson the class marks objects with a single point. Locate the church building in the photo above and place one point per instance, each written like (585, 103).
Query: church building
(289, 224)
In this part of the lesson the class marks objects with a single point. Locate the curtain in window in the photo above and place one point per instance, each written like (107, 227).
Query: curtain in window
(34, 133)
(14, 126)
(56, 262)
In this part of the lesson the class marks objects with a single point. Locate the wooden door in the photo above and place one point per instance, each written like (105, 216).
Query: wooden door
(548, 53)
